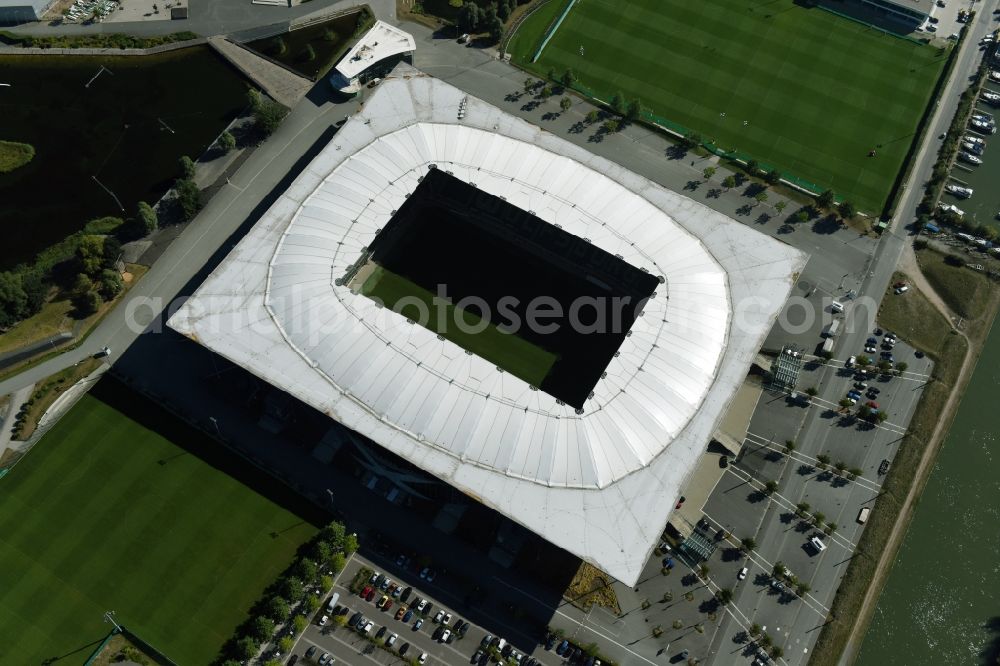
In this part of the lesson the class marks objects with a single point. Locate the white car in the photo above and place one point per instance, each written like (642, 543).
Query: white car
(392, 639)
(422, 658)
(424, 572)
(870, 349)
(902, 290)
(447, 618)
(438, 617)
(851, 361)
(421, 605)
(743, 573)
(368, 627)
(374, 577)
(444, 636)
(323, 620)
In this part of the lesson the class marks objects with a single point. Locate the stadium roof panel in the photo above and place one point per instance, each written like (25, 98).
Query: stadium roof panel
(380, 42)
(598, 483)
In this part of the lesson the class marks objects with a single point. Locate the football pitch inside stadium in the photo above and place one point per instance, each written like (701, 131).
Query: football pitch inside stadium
(107, 514)
(797, 88)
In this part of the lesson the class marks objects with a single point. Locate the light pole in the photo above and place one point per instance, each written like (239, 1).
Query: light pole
(218, 433)
(109, 616)
(841, 285)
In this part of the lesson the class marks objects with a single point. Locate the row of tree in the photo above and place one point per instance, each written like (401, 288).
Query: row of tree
(472, 18)
(313, 570)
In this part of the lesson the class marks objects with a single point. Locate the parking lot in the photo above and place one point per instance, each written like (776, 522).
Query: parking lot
(423, 599)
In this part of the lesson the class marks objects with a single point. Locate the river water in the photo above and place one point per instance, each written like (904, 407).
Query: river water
(941, 604)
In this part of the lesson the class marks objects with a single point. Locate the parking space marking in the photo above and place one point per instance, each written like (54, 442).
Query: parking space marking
(797, 456)
(582, 625)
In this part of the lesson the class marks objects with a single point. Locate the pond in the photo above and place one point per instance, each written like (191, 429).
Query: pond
(312, 50)
(103, 128)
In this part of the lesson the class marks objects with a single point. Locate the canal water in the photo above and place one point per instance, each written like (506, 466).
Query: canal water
(942, 601)
(983, 207)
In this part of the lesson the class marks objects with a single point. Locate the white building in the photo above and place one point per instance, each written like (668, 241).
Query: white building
(374, 56)
(599, 483)
(13, 12)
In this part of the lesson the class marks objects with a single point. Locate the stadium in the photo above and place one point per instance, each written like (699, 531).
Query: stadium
(370, 290)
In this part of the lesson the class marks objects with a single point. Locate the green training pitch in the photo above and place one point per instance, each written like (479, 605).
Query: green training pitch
(516, 356)
(105, 515)
(799, 89)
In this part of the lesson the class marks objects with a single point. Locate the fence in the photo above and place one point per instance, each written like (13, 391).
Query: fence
(552, 30)
(517, 24)
(145, 647)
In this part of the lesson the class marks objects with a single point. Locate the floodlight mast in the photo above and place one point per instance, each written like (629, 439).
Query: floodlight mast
(109, 616)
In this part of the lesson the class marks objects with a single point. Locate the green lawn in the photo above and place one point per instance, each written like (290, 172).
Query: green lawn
(515, 355)
(817, 91)
(105, 514)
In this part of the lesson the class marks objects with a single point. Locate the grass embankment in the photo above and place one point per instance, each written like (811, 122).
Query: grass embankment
(14, 155)
(588, 587)
(515, 355)
(768, 81)
(56, 317)
(120, 649)
(964, 290)
(105, 513)
(46, 393)
(916, 320)
(113, 41)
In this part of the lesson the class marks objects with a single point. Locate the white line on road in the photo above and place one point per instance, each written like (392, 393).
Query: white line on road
(796, 456)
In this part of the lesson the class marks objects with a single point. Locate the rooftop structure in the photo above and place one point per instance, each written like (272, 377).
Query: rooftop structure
(909, 10)
(22, 11)
(596, 476)
(383, 44)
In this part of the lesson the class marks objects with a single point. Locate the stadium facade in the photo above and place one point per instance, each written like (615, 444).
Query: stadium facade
(597, 479)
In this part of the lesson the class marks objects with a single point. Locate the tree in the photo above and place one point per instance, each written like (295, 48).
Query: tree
(565, 103)
(780, 206)
(818, 518)
(299, 623)
(568, 78)
(503, 10)
(802, 508)
(847, 210)
(855, 472)
(754, 630)
(312, 603)
(779, 569)
(13, 299)
(109, 284)
(85, 298)
(90, 255)
(593, 116)
(188, 197)
(618, 103)
(790, 444)
(708, 172)
(493, 25)
(703, 570)
(350, 544)
(825, 199)
(529, 84)
(801, 217)
(748, 543)
(320, 551)
(633, 110)
(305, 570)
(884, 365)
(267, 113)
(729, 182)
(187, 167)
(469, 17)
(725, 595)
(227, 141)
(772, 177)
(146, 216)
(291, 589)
(546, 92)
(285, 645)
(812, 391)
(776, 652)
(325, 582)
(823, 459)
(276, 608)
(338, 561)
(881, 417)
(864, 411)
(761, 197)
(334, 535)
(753, 167)
(691, 140)
(864, 361)
(245, 648)
(902, 366)
(770, 487)
(260, 629)
(611, 125)
(840, 466)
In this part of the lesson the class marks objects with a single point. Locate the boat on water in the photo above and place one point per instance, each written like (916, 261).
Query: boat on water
(972, 138)
(982, 128)
(958, 190)
(969, 157)
(952, 208)
(974, 148)
(991, 96)
(994, 75)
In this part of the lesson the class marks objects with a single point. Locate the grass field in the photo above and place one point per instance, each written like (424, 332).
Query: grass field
(516, 356)
(799, 89)
(105, 514)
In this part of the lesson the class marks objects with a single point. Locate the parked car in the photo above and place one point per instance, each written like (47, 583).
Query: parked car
(419, 623)
(403, 649)
(311, 652)
(327, 658)
(743, 573)
(353, 622)
(437, 633)
(447, 619)
(438, 617)
(392, 639)
(476, 656)
(851, 361)
(371, 595)
(883, 468)
(487, 639)
(421, 605)
(365, 591)
(381, 632)
(422, 658)
(903, 289)
(562, 648)
(424, 572)
(323, 620)
(382, 601)
(406, 593)
(385, 584)
(400, 612)
(464, 629)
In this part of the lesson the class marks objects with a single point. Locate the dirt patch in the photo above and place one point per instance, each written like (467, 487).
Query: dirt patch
(590, 586)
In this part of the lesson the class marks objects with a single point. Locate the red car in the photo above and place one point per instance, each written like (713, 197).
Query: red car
(872, 404)
(364, 592)
(370, 595)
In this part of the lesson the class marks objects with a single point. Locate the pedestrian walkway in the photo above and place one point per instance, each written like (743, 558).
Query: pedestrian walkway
(280, 84)
(17, 398)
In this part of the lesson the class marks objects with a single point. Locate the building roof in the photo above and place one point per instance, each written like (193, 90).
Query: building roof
(920, 6)
(382, 41)
(599, 484)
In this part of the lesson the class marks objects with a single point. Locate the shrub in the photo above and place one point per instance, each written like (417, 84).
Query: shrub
(188, 197)
(187, 167)
(227, 141)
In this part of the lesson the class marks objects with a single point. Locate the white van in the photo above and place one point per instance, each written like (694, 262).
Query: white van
(828, 345)
(333, 603)
(831, 329)
(817, 544)
(837, 306)
(863, 514)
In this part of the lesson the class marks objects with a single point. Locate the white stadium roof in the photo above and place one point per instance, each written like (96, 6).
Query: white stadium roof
(599, 484)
